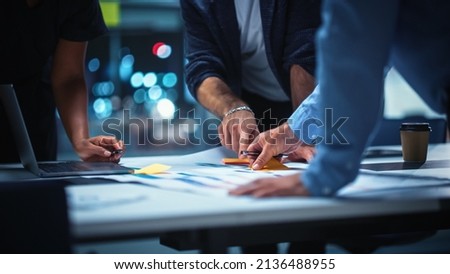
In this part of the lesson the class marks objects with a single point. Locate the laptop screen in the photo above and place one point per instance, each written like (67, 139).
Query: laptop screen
(9, 100)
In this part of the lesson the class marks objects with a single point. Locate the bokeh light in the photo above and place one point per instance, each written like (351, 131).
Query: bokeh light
(166, 108)
(94, 65)
(164, 51)
(150, 79)
(161, 50)
(137, 79)
(128, 61)
(103, 89)
(139, 96)
(155, 92)
(102, 108)
(170, 80)
(156, 47)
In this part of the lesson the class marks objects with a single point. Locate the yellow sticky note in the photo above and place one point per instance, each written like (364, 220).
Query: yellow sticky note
(152, 169)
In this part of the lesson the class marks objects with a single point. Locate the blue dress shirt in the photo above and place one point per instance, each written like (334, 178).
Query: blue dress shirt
(355, 43)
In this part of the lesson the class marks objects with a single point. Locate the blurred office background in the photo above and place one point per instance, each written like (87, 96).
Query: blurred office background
(136, 86)
(137, 91)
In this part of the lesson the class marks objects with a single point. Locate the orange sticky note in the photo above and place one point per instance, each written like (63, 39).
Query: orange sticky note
(273, 163)
(235, 161)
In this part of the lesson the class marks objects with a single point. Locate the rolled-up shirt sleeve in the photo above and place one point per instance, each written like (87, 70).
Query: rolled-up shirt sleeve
(303, 21)
(204, 57)
(305, 121)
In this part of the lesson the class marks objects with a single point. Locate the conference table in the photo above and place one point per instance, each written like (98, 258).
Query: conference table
(189, 212)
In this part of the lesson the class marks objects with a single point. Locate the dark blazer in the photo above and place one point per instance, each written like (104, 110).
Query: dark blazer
(212, 39)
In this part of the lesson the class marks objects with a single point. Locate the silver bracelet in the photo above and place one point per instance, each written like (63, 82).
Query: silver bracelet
(233, 110)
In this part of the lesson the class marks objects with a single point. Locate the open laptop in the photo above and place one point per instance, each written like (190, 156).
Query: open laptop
(47, 169)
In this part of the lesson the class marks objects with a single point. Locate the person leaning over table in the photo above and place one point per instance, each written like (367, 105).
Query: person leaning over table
(355, 43)
(42, 55)
(249, 60)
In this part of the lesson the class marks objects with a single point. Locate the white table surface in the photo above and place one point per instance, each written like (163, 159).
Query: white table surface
(125, 209)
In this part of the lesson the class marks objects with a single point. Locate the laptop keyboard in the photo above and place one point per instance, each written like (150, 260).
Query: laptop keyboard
(64, 167)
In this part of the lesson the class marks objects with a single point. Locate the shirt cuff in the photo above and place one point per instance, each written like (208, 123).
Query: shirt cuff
(305, 122)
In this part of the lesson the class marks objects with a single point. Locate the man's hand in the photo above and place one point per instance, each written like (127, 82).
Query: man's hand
(272, 143)
(100, 149)
(303, 153)
(238, 130)
(267, 187)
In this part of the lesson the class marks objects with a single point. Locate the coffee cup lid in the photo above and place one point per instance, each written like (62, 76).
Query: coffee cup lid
(415, 127)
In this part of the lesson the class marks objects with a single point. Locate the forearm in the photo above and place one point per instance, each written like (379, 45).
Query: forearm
(71, 101)
(302, 85)
(69, 88)
(217, 97)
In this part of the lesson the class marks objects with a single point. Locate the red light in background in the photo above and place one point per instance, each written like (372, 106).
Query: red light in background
(156, 47)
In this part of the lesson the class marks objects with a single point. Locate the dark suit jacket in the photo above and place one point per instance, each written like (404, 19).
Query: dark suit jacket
(213, 40)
